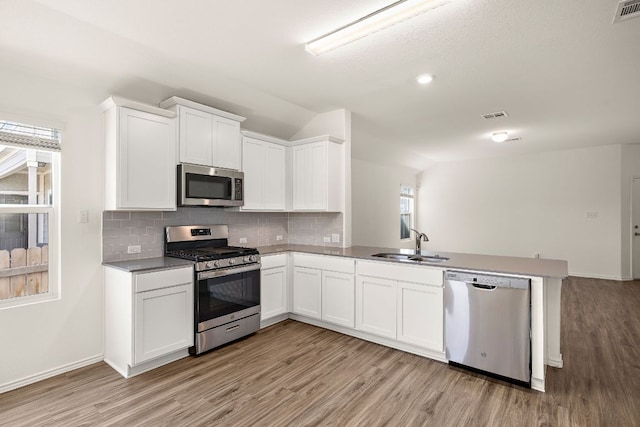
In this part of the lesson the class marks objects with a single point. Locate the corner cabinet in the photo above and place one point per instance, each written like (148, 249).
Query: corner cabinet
(317, 169)
(324, 288)
(148, 318)
(206, 136)
(264, 167)
(140, 156)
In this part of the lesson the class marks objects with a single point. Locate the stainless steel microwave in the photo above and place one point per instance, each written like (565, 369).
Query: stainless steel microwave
(207, 186)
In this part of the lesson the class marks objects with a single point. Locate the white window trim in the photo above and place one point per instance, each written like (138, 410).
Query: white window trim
(413, 213)
(53, 211)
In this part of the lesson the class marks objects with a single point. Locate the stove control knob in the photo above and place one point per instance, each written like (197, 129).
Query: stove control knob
(232, 261)
(247, 259)
(210, 264)
(216, 263)
(254, 258)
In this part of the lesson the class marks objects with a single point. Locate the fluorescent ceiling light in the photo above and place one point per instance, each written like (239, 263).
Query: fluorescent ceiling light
(424, 79)
(376, 21)
(500, 136)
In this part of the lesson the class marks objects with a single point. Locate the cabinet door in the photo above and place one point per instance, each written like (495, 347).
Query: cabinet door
(301, 176)
(318, 176)
(226, 143)
(253, 166)
(420, 315)
(338, 298)
(196, 136)
(163, 322)
(274, 177)
(146, 164)
(273, 292)
(376, 306)
(307, 295)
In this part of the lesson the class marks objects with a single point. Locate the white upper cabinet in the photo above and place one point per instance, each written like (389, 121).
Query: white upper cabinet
(140, 156)
(195, 136)
(207, 136)
(264, 167)
(317, 168)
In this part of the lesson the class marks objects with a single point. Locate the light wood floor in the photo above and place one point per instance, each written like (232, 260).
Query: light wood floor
(296, 374)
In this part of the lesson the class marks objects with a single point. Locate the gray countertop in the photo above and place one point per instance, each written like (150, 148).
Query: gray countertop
(145, 264)
(537, 267)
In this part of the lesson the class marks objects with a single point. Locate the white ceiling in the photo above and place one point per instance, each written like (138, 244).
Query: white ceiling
(566, 75)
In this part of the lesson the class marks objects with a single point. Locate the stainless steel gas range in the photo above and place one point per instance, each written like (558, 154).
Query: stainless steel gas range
(227, 283)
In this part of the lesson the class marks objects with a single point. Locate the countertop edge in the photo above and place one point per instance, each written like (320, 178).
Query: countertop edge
(148, 264)
(475, 262)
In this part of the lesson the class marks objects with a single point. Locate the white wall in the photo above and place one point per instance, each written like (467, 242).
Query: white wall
(376, 204)
(529, 204)
(36, 340)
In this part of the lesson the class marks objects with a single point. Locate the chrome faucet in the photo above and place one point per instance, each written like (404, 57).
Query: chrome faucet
(419, 238)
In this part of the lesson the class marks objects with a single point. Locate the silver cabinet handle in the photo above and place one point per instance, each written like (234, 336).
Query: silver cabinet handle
(233, 328)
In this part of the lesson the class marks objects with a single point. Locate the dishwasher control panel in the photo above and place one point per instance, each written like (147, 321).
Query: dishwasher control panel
(488, 279)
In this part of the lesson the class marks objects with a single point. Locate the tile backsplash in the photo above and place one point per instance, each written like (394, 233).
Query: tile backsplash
(122, 229)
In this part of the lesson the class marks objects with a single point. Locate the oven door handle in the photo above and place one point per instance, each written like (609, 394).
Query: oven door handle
(203, 275)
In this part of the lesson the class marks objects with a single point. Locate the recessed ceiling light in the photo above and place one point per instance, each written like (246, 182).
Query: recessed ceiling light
(500, 136)
(425, 79)
(382, 18)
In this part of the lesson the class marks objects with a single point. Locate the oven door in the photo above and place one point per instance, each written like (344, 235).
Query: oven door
(205, 186)
(227, 295)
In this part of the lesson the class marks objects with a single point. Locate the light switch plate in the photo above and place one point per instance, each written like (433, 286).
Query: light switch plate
(83, 216)
(279, 237)
(335, 238)
(327, 239)
(243, 240)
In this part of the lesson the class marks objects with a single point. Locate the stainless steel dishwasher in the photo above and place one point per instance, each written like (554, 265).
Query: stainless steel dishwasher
(488, 324)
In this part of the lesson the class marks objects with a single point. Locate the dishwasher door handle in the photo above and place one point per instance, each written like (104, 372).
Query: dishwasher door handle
(481, 286)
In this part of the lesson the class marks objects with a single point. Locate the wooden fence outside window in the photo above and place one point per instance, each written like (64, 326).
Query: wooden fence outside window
(24, 272)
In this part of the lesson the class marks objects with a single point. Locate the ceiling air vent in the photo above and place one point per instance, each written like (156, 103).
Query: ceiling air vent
(499, 114)
(626, 10)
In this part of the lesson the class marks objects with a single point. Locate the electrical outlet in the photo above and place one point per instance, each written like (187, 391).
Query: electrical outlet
(243, 240)
(279, 237)
(335, 238)
(134, 249)
(327, 239)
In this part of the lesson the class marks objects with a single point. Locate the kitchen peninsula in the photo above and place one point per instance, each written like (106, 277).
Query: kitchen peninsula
(333, 275)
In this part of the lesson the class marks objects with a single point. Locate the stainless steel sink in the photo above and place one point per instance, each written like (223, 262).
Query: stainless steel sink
(412, 258)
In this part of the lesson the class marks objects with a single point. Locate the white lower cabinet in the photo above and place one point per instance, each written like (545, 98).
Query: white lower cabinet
(420, 315)
(148, 318)
(338, 298)
(274, 293)
(307, 292)
(163, 322)
(401, 302)
(323, 288)
(376, 306)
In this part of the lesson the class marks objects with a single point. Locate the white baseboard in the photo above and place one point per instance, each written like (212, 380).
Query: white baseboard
(596, 276)
(50, 373)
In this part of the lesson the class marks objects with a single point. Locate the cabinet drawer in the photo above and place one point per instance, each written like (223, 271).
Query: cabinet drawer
(272, 261)
(163, 279)
(406, 273)
(328, 263)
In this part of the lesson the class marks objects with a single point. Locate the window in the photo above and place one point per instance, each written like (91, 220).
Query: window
(29, 157)
(406, 211)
